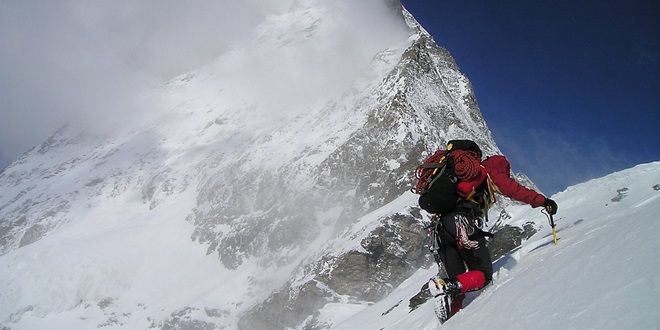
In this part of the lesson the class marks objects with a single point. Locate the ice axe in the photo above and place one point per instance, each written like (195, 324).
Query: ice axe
(552, 223)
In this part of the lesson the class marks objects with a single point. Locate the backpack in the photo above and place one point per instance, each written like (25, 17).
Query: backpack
(450, 176)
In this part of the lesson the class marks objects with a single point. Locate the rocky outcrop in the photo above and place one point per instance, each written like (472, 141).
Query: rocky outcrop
(384, 258)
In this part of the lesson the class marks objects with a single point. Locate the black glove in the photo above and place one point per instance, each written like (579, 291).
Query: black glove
(550, 206)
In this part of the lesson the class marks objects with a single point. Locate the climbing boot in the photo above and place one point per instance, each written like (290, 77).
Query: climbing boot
(443, 292)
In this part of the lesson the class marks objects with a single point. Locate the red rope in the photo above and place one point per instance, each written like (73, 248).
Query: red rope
(424, 174)
(467, 167)
(467, 164)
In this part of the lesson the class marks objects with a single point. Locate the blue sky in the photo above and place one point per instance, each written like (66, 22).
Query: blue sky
(569, 89)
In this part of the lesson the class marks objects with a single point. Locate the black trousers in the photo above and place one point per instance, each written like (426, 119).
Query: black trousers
(459, 260)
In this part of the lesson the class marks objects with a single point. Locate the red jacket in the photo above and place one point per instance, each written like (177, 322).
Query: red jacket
(499, 169)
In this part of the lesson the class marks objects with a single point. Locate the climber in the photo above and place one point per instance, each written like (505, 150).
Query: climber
(462, 244)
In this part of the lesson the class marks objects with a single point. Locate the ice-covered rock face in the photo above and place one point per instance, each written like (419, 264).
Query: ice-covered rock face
(249, 130)
(294, 142)
(338, 161)
(416, 115)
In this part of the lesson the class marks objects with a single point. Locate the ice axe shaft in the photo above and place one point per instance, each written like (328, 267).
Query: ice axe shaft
(552, 225)
(554, 232)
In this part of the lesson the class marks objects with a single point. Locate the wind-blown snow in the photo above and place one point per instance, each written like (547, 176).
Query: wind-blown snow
(89, 63)
(105, 239)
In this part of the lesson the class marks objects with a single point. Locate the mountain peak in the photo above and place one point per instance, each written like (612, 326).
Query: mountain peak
(259, 181)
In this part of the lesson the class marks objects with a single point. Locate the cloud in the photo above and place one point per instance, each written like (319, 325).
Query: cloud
(89, 62)
(308, 55)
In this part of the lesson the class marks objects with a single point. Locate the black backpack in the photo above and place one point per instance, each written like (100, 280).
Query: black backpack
(437, 179)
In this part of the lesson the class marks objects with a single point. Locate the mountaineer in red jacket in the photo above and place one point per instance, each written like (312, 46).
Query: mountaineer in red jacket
(461, 244)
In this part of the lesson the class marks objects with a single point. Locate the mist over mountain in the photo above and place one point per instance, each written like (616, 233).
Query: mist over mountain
(264, 189)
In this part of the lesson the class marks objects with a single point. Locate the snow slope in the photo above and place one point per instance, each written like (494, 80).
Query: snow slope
(202, 214)
(601, 275)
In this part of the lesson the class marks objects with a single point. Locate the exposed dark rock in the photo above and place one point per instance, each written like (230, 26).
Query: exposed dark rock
(182, 320)
(509, 238)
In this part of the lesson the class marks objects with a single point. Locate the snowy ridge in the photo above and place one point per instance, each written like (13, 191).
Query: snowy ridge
(599, 276)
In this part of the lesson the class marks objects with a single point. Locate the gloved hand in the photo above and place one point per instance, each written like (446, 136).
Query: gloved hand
(550, 206)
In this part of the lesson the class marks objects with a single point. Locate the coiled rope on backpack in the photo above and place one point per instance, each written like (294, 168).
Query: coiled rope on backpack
(424, 172)
(467, 164)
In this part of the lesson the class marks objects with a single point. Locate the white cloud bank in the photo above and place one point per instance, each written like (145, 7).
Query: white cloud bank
(88, 62)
